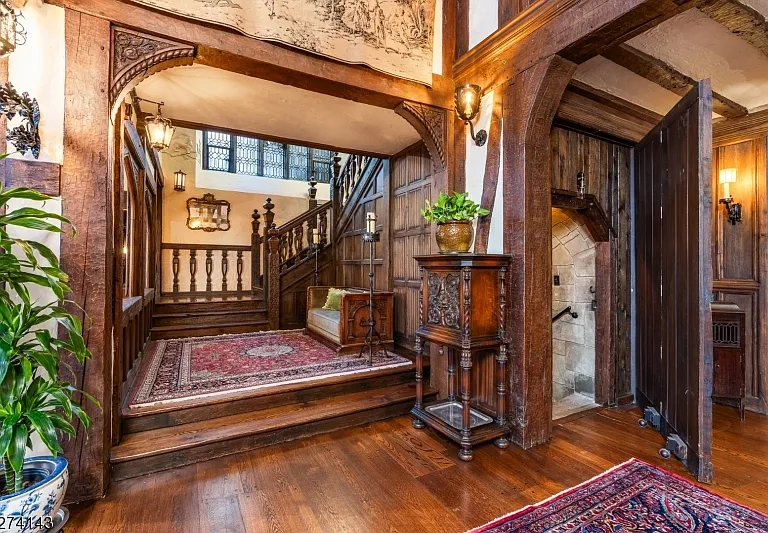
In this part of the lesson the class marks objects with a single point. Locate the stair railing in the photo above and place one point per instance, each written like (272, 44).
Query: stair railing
(222, 272)
(346, 178)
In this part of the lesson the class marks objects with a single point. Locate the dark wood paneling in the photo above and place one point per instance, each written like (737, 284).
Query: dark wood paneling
(674, 278)
(41, 176)
(607, 173)
(411, 184)
(740, 255)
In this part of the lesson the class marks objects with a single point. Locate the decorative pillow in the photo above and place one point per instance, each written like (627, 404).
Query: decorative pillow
(333, 302)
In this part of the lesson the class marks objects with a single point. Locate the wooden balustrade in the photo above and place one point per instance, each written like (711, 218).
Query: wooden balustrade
(136, 323)
(346, 179)
(216, 281)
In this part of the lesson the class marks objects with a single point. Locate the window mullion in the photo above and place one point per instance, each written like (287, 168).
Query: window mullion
(233, 153)
(205, 150)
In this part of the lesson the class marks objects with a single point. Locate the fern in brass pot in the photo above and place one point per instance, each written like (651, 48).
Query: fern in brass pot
(453, 214)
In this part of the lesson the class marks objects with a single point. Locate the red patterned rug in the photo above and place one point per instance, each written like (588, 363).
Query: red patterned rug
(634, 497)
(182, 369)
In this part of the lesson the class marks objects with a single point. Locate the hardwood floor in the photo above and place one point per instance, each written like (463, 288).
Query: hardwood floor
(390, 477)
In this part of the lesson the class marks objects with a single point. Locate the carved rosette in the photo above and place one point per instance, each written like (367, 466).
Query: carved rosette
(136, 54)
(430, 123)
(443, 306)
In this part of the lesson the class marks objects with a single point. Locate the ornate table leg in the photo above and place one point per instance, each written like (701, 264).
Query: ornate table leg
(501, 394)
(417, 423)
(451, 374)
(465, 453)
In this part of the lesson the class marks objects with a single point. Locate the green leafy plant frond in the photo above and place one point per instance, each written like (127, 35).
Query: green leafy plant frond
(34, 399)
(456, 207)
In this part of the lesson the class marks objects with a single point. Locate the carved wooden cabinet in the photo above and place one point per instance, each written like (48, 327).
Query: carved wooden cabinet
(462, 309)
(729, 373)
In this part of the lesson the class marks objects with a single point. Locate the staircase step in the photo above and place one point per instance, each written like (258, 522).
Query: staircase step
(205, 330)
(166, 305)
(145, 418)
(209, 318)
(171, 447)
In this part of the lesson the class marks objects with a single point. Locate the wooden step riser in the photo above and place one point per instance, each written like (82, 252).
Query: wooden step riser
(197, 307)
(191, 319)
(148, 465)
(148, 422)
(205, 331)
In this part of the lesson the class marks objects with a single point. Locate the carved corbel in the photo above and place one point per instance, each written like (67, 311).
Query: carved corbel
(136, 56)
(430, 123)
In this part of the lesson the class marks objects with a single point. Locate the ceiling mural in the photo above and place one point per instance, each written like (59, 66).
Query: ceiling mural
(392, 36)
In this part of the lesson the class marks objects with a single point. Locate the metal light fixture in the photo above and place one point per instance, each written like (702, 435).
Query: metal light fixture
(159, 130)
(12, 33)
(467, 101)
(179, 180)
(728, 176)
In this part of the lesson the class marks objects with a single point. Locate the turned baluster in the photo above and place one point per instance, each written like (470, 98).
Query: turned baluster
(289, 245)
(224, 269)
(255, 253)
(192, 270)
(175, 267)
(323, 227)
(208, 270)
(298, 239)
(240, 270)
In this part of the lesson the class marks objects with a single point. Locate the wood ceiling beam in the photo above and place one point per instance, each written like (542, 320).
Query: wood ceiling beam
(736, 130)
(226, 49)
(660, 73)
(740, 20)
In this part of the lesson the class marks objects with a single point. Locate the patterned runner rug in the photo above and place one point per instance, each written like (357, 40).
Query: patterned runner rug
(633, 497)
(182, 369)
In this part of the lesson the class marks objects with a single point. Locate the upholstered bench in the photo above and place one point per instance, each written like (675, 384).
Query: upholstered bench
(345, 330)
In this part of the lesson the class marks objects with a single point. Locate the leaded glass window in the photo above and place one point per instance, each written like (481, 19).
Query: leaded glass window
(218, 151)
(274, 160)
(248, 156)
(298, 162)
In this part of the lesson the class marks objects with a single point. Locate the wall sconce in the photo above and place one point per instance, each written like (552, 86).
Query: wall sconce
(467, 101)
(728, 176)
(179, 181)
(12, 33)
(159, 130)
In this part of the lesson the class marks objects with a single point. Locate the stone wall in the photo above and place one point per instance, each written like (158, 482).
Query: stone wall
(573, 339)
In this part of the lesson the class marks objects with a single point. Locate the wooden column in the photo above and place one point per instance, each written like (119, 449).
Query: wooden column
(88, 258)
(530, 102)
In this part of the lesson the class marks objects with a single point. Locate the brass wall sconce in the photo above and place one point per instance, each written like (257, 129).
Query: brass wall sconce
(208, 214)
(179, 181)
(467, 101)
(160, 130)
(12, 33)
(728, 176)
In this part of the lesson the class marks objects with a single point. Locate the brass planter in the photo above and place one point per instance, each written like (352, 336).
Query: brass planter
(455, 236)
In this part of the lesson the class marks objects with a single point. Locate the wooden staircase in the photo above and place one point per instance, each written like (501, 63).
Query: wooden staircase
(179, 317)
(163, 437)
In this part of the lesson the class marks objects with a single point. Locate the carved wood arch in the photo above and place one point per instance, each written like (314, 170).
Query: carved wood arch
(430, 123)
(589, 207)
(136, 56)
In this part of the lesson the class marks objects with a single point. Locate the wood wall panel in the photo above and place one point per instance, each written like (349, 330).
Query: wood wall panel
(740, 255)
(606, 167)
(412, 183)
(351, 253)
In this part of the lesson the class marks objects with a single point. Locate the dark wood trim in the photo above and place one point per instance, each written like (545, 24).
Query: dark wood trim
(491, 175)
(508, 9)
(450, 37)
(88, 257)
(589, 207)
(660, 73)
(462, 28)
(578, 128)
(430, 123)
(530, 102)
(575, 29)
(605, 325)
(41, 176)
(181, 123)
(740, 19)
(736, 130)
(226, 49)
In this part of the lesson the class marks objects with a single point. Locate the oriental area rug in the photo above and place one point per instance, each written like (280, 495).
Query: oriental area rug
(633, 497)
(182, 369)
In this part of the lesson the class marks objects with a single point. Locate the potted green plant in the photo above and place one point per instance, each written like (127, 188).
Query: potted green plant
(34, 397)
(453, 214)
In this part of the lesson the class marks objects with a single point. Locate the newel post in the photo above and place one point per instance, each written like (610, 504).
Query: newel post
(255, 251)
(273, 290)
(335, 199)
(269, 218)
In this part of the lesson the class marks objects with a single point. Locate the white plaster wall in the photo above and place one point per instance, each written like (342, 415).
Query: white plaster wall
(38, 68)
(483, 20)
(437, 42)
(475, 171)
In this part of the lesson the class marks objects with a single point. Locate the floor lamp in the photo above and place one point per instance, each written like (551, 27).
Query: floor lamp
(373, 337)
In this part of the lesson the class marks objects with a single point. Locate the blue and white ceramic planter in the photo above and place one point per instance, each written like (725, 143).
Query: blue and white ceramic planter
(33, 509)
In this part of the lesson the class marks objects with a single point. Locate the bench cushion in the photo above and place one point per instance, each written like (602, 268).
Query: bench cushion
(326, 322)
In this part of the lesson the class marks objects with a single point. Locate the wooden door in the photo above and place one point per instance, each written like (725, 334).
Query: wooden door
(673, 221)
